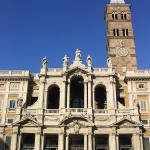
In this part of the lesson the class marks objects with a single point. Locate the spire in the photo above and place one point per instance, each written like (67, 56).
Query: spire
(117, 1)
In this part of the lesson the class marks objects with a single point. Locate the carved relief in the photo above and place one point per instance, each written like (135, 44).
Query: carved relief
(102, 119)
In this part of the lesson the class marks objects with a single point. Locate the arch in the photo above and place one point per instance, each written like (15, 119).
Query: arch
(73, 118)
(77, 92)
(123, 15)
(53, 99)
(114, 16)
(100, 97)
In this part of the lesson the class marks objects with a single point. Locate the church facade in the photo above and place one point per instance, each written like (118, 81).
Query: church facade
(79, 107)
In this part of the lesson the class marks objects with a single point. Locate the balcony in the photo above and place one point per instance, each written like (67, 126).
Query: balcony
(28, 147)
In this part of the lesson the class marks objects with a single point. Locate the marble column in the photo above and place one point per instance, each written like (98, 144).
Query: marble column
(46, 99)
(19, 141)
(93, 99)
(85, 94)
(1, 140)
(61, 141)
(112, 141)
(90, 141)
(89, 94)
(85, 142)
(37, 144)
(67, 142)
(68, 95)
(117, 141)
(137, 142)
(63, 95)
(14, 141)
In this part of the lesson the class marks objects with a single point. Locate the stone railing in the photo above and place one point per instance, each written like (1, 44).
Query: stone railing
(136, 73)
(124, 111)
(14, 73)
(55, 70)
(76, 110)
(97, 70)
(52, 111)
(30, 111)
(101, 111)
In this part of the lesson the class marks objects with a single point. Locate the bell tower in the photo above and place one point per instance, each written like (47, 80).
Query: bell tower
(120, 36)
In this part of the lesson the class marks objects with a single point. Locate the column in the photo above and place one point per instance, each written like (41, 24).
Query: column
(64, 95)
(42, 141)
(89, 94)
(19, 141)
(90, 141)
(85, 94)
(1, 140)
(45, 99)
(68, 95)
(137, 142)
(61, 141)
(117, 141)
(67, 142)
(85, 142)
(37, 144)
(41, 91)
(112, 141)
(141, 141)
(93, 99)
(14, 141)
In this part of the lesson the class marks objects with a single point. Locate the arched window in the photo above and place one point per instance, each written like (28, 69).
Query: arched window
(115, 32)
(53, 97)
(77, 93)
(100, 97)
(125, 32)
(123, 16)
(114, 16)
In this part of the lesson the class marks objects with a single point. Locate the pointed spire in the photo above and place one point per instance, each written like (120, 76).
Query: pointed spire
(117, 1)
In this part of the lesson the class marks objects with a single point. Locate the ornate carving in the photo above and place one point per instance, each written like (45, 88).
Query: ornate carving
(19, 102)
(77, 126)
(102, 119)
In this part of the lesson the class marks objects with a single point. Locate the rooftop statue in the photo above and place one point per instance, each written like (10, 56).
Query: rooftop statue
(65, 60)
(89, 61)
(44, 62)
(78, 55)
(109, 62)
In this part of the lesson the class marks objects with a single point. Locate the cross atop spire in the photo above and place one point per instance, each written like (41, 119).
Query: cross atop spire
(117, 1)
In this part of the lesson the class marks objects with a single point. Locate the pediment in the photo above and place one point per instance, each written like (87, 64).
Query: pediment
(125, 122)
(27, 120)
(76, 71)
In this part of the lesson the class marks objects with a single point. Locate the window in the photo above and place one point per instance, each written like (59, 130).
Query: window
(123, 16)
(143, 105)
(125, 32)
(9, 121)
(141, 85)
(146, 143)
(145, 122)
(11, 104)
(116, 32)
(7, 142)
(114, 16)
(2, 86)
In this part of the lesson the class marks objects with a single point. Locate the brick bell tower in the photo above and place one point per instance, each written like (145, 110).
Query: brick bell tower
(120, 36)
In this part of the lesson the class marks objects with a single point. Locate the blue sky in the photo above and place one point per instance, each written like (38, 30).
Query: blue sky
(32, 29)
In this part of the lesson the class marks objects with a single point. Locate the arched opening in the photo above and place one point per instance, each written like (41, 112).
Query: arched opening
(53, 97)
(100, 97)
(77, 93)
